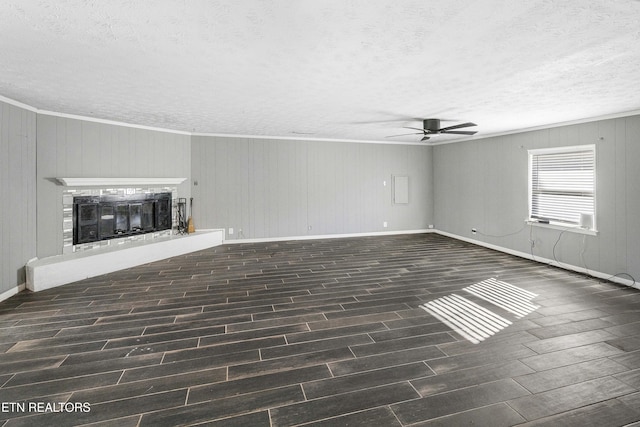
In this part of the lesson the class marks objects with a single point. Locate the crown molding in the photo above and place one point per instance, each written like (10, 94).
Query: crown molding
(110, 122)
(543, 127)
(292, 138)
(17, 104)
(296, 138)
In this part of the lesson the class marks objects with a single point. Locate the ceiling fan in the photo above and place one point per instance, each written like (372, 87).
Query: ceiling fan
(432, 127)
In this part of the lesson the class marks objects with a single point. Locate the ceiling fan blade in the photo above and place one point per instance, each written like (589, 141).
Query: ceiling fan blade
(404, 134)
(463, 125)
(423, 130)
(460, 132)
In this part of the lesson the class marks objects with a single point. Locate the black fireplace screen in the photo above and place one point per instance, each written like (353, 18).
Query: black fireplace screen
(106, 217)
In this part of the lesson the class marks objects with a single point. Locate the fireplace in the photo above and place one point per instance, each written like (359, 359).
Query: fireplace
(104, 217)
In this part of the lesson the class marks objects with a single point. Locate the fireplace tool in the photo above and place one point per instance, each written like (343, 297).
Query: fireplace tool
(191, 228)
(182, 215)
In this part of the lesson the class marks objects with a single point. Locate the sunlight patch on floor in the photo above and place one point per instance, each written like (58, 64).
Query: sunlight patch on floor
(474, 322)
(508, 297)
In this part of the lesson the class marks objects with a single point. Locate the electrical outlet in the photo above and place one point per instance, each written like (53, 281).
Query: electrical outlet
(384, 224)
(230, 231)
(430, 225)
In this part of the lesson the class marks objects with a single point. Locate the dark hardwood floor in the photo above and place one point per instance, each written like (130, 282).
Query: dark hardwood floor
(329, 332)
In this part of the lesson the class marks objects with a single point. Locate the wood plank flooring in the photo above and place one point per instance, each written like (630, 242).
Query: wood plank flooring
(330, 332)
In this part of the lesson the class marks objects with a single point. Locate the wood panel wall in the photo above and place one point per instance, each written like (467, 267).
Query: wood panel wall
(484, 184)
(77, 148)
(17, 194)
(287, 188)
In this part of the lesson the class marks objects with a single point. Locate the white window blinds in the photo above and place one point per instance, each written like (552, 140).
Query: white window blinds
(562, 183)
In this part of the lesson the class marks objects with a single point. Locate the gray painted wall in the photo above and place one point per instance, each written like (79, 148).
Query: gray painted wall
(77, 148)
(17, 193)
(280, 188)
(483, 184)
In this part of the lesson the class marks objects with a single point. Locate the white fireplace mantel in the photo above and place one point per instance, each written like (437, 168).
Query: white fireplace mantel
(103, 182)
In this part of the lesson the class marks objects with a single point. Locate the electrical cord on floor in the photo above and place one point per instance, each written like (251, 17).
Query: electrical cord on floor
(623, 274)
(556, 244)
(584, 248)
(582, 251)
(532, 242)
(501, 235)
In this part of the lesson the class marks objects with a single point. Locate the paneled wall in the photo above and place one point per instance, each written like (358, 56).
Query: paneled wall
(17, 194)
(483, 184)
(77, 148)
(266, 188)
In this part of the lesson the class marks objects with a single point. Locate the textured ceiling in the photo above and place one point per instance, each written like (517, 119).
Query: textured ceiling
(338, 69)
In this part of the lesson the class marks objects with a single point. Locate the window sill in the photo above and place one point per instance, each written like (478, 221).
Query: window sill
(562, 227)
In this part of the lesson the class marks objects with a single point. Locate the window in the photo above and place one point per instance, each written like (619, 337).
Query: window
(562, 183)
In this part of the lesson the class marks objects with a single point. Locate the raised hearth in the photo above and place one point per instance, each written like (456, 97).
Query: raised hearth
(62, 269)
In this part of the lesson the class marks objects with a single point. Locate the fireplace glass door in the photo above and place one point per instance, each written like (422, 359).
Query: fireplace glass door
(135, 216)
(122, 218)
(107, 221)
(147, 217)
(106, 217)
(87, 223)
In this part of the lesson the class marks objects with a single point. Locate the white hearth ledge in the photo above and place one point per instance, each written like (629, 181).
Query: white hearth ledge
(123, 182)
(59, 270)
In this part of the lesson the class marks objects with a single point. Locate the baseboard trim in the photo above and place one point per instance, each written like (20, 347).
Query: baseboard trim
(542, 260)
(605, 276)
(327, 236)
(13, 291)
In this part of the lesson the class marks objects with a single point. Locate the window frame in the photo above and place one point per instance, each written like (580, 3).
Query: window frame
(557, 222)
